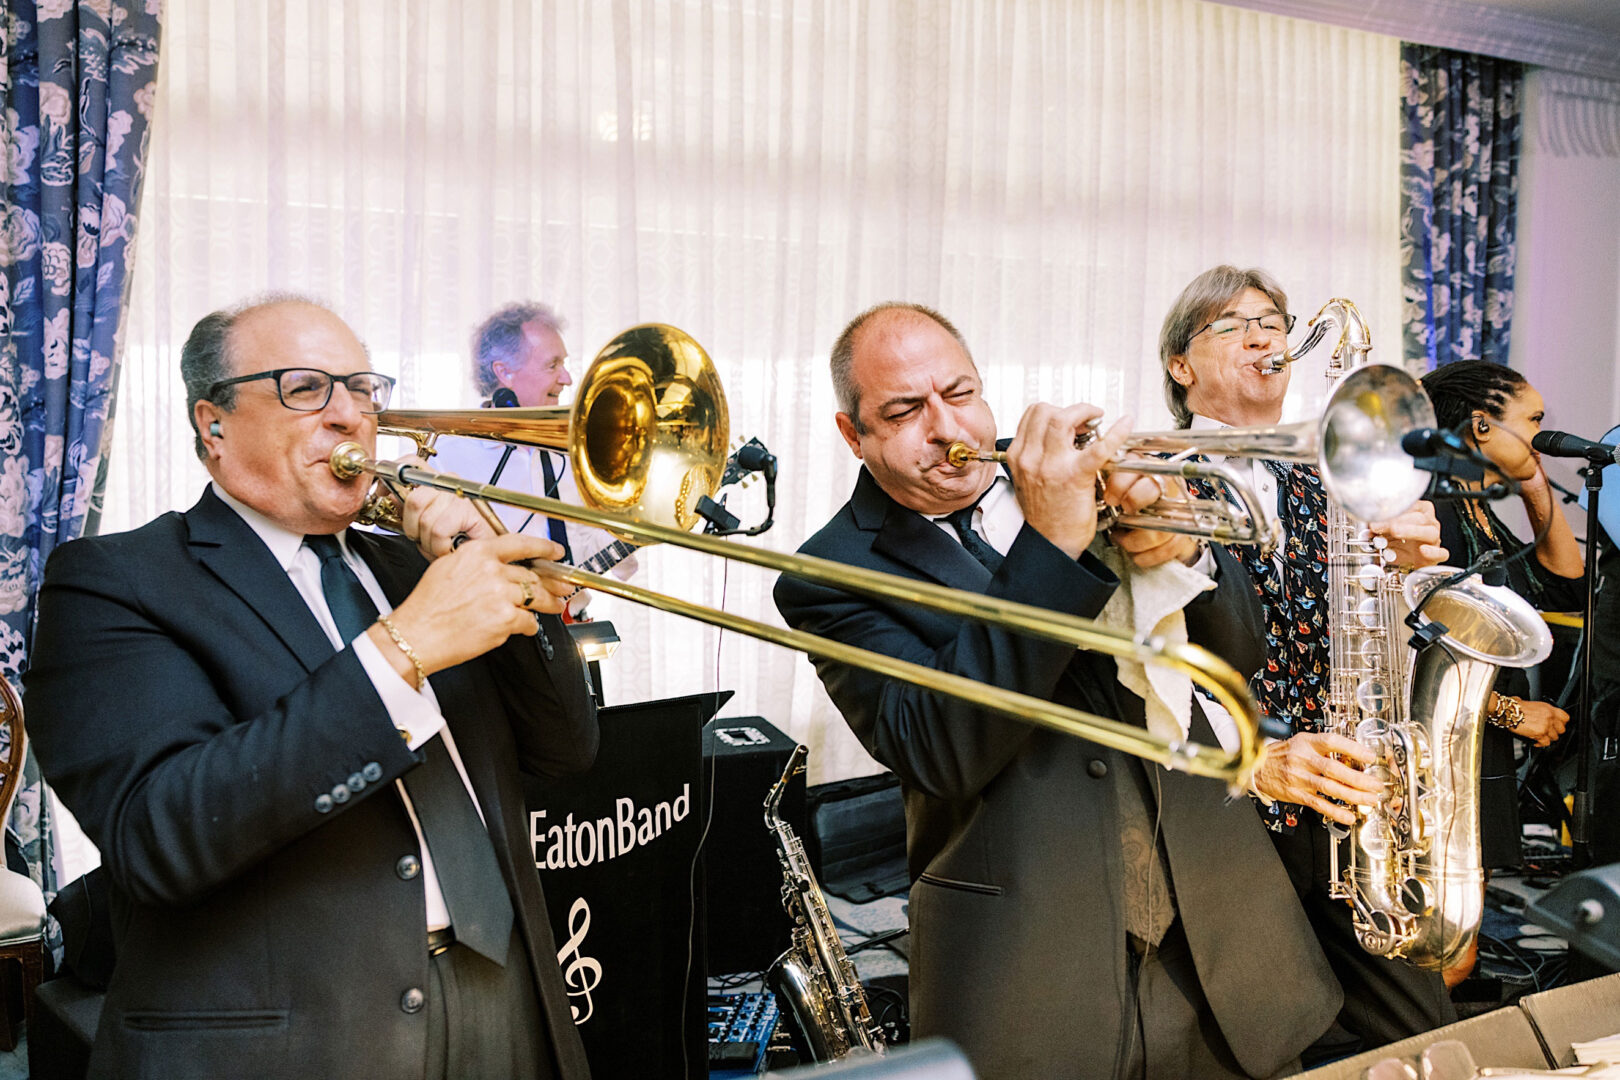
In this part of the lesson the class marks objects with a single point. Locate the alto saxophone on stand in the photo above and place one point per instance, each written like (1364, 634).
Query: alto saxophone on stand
(815, 979)
(1410, 867)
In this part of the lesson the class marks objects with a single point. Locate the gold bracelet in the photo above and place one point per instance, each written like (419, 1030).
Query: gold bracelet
(1509, 713)
(405, 647)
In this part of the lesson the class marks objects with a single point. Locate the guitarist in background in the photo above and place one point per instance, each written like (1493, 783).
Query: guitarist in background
(519, 360)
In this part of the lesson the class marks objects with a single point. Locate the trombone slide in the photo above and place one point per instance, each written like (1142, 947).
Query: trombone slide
(1202, 666)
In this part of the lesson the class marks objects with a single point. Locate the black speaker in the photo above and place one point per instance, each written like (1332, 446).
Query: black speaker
(742, 758)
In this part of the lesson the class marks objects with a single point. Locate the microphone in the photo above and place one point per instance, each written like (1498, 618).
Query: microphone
(1443, 452)
(756, 458)
(1563, 444)
(1433, 442)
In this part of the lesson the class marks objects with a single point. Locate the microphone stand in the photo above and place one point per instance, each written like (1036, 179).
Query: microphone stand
(1580, 833)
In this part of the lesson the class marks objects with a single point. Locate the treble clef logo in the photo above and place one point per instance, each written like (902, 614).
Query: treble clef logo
(581, 974)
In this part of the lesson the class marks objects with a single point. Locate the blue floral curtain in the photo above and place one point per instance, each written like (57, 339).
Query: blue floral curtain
(1459, 192)
(76, 91)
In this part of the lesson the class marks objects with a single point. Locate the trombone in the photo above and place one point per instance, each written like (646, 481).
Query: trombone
(1355, 445)
(659, 383)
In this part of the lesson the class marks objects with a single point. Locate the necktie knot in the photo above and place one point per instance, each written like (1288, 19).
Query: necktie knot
(962, 521)
(324, 545)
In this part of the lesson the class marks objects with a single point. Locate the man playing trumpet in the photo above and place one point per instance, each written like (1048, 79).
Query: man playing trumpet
(1071, 907)
(1219, 348)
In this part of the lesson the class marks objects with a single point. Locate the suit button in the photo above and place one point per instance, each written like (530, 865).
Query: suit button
(408, 867)
(323, 804)
(340, 794)
(372, 772)
(357, 783)
(1097, 768)
(412, 1000)
(546, 648)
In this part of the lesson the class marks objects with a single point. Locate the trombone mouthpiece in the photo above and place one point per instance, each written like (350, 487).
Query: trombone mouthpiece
(347, 460)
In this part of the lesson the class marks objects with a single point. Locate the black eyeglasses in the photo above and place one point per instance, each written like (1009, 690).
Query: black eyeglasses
(1235, 326)
(309, 389)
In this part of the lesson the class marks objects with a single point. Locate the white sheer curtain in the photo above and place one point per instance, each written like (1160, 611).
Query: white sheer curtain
(1049, 174)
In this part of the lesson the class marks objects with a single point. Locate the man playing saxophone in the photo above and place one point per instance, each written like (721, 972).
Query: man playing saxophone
(1071, 906)
(1216, 348)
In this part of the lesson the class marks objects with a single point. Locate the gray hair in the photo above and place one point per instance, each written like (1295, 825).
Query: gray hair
(1205, 297)
(845, 388)
(206, 357)
(500, 337)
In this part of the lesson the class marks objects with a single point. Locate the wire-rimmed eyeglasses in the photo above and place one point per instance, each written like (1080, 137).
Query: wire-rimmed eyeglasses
(1231, 327)
(309, 389)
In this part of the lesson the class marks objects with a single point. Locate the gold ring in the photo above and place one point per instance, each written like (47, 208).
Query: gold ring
(528, 593)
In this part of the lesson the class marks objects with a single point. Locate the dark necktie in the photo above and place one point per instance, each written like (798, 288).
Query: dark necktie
(463, 856)
(962, 521)
(558, 531)
(348, 600)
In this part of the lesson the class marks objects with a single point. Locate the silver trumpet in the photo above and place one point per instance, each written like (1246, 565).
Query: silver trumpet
(1355, 445)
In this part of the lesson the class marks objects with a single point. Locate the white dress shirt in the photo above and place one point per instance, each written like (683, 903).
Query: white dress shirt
(476, 459)
(414, 712)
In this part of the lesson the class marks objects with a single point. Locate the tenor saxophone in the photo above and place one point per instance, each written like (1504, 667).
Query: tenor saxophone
(815, 979)
(1411, 867)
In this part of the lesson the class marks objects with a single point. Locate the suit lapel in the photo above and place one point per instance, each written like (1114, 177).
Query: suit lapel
(229, 548)
(914, 541)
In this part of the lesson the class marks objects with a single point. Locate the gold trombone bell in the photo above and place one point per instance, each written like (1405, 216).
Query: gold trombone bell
(646, 436)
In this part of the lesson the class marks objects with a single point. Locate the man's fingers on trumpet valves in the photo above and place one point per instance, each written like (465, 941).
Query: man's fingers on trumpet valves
(1054, 470)
(1130, 492)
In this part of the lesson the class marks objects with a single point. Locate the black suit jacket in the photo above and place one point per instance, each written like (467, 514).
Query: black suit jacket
(1019, 946)
(189, 710)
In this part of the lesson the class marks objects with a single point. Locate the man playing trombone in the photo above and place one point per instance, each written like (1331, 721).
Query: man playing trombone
(1074, 911)
(1218, 348)
(297, 746)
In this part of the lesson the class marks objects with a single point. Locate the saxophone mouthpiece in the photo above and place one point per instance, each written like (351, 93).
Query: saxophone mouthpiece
(1275, 364)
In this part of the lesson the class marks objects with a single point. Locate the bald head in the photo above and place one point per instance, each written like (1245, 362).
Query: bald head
(871, 328)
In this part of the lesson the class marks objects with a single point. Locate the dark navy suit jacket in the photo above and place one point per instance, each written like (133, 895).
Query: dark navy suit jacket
(190, 711)
(1019, 948)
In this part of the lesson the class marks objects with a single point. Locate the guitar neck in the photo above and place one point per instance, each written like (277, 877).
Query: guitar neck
(609, 557)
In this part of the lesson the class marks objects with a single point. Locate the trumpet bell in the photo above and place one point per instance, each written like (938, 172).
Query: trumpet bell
(1362, 464)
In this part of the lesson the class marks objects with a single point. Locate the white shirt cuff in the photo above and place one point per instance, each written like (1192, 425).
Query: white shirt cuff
(415, 712)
